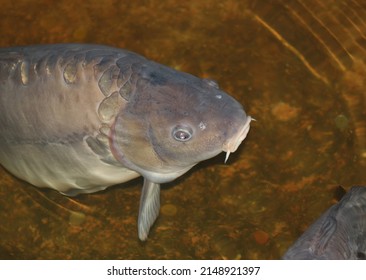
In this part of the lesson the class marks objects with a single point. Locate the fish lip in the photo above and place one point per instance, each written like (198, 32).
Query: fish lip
(232, 144)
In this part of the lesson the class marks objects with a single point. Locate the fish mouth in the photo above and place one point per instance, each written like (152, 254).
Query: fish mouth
(233, 143)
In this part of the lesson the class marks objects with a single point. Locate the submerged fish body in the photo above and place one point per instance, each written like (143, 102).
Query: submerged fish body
(340, 233)
(79, 118)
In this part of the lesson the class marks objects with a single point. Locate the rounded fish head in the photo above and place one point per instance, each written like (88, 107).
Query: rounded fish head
(172, 121)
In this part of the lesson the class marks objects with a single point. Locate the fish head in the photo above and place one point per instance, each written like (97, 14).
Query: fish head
(172, 121)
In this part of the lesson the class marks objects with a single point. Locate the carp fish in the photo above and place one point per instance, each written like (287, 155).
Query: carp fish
(78, 118)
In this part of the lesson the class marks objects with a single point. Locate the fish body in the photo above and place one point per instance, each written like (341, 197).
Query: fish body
(340, 233)
(78, 118)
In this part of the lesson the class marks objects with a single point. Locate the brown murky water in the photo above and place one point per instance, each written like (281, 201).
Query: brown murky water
(297, 66)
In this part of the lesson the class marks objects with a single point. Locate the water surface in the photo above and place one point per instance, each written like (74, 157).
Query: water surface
(298, 67)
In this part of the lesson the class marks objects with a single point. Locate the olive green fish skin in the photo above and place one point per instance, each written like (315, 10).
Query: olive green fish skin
(78, 118)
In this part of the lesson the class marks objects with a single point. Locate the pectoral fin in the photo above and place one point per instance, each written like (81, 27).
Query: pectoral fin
(149, 208)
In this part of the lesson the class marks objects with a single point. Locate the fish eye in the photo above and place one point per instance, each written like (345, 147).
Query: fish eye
(182, 133)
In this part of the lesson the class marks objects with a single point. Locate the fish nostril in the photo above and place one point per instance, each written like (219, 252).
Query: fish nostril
(202, 126)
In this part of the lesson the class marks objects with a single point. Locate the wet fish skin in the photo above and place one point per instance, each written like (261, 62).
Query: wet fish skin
(79, 118)
(340, 233)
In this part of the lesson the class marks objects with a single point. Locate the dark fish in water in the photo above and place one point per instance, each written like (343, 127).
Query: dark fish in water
(340, 233)
(79, 118)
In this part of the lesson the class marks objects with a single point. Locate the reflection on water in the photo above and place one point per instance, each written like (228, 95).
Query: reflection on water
(299, 68)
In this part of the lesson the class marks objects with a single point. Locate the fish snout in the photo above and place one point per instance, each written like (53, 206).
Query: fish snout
(232, 144)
